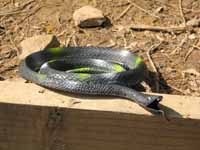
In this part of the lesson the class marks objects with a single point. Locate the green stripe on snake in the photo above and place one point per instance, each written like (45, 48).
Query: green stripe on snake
(83, 76)
(118, 68)
(85, 69)
(56, 50)
(138, 61)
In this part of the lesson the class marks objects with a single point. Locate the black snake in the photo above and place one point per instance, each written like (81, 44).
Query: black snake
(90, 70)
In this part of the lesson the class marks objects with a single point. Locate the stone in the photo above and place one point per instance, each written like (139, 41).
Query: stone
(88, 16)
(37, 43)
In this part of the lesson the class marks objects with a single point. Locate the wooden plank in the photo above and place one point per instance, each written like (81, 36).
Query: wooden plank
(19, 92)
(33, 120)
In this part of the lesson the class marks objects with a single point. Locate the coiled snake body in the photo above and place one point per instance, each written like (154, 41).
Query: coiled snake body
(89, 70)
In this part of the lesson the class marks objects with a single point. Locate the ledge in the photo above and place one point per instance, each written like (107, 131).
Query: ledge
(32, 117)
(19, 92)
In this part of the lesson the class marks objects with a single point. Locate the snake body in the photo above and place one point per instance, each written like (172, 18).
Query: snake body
(89, 70)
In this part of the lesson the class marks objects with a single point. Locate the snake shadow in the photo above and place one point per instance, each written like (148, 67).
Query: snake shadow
(150, 80)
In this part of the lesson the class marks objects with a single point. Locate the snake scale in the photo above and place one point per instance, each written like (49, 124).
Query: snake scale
(90, 70)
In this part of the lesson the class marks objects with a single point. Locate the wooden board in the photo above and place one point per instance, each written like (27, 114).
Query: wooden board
(33, 118)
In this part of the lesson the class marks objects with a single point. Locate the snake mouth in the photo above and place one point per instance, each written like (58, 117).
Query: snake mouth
(153, 106)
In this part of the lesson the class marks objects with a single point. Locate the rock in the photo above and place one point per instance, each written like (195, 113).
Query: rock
(88, 16)
(37, 43)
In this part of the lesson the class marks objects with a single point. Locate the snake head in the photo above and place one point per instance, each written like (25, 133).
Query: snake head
(153, 103)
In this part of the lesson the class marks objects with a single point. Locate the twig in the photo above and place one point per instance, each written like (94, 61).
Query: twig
(147, 12)
(100, 42)
(190, 51)
(180, 45)
(195, 46)
(177, 89)
(173, 87)
(112, 44)
(12, 13)
(181, 11)
(2, 18)
(5, 4)
(122, 4)
(67, 42)
(158, 28)
(152, 48)
(18, 10)
(31, 14)
(26, 4)
(124, 12)
(62, 33)
(74, 40)
(125, 41)
(14, 44)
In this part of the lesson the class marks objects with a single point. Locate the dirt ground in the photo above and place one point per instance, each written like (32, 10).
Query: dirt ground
(175, 54)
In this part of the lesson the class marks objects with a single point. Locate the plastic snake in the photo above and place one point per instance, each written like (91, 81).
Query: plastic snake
(90, 70)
